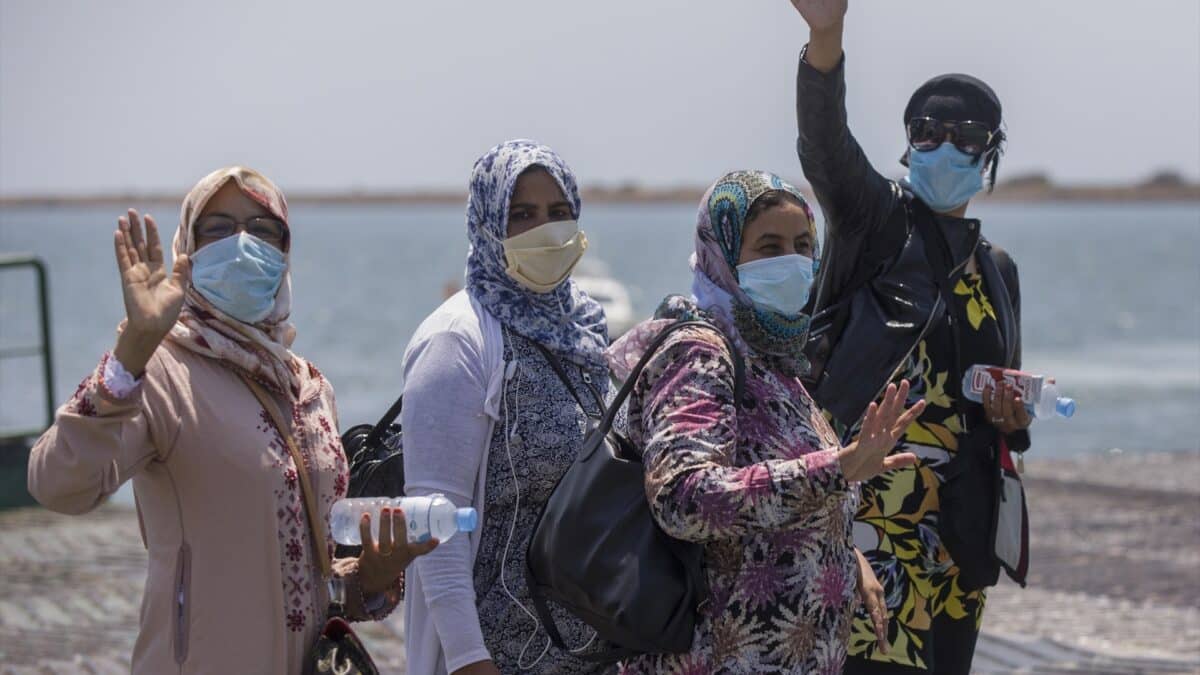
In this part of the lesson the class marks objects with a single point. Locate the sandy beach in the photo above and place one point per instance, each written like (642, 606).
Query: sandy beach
(1114, 577)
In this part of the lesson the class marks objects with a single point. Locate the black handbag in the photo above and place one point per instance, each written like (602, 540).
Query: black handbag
(968, 509)
(598, 553)
(376, 457)
(339, 652)
(983, 519)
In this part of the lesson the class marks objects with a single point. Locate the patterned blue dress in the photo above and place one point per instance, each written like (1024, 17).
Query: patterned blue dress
(545, 428)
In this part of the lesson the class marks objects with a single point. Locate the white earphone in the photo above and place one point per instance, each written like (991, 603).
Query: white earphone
(513, 371)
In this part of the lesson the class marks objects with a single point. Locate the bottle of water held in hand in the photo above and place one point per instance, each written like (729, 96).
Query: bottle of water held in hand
(1040, 396)
(426, 517)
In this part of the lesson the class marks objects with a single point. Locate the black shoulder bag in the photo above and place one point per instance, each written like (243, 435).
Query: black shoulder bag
(376, 457)
(598, 553)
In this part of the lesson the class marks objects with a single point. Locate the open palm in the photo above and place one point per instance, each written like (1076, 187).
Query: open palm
(152, 298)
(883, 425)
(821, 14)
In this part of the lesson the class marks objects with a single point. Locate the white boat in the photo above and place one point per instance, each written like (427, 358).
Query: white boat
(593, 277)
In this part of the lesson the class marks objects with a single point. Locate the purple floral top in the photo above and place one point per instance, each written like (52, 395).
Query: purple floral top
(760, 485)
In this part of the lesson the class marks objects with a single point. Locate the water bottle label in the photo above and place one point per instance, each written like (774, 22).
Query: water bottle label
(982, 377)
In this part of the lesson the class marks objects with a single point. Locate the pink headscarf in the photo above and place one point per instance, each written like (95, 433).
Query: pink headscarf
(260, 350)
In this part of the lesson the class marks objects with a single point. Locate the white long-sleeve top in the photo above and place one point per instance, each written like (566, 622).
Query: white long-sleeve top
(453, 382)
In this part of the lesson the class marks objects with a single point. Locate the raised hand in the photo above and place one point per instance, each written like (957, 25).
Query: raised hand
(883, 425)
(821, 14)
(824, 19)
(152, 298)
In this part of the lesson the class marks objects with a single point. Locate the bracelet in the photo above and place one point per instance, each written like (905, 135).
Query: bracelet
(337, 591)
(350, 585)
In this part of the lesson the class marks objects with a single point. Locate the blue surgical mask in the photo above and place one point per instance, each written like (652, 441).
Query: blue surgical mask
(944, 178)
(239, 275)
(780, 284)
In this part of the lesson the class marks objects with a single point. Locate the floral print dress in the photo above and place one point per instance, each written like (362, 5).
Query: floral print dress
(758, 482)
(896, 526)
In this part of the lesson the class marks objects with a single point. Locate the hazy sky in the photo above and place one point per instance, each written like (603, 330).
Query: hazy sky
(150, 95)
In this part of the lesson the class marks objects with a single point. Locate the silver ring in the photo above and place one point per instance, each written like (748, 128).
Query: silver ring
(997, 420)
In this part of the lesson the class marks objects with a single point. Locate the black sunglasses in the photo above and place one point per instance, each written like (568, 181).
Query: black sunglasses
(973, 138)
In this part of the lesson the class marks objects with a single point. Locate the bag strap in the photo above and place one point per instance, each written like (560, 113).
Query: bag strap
(1002, 297)
(376, 436)
(739, 375)
(937, 252)
(315, 523)
(557, 367)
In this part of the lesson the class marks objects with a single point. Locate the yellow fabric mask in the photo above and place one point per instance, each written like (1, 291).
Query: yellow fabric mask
(543, 257)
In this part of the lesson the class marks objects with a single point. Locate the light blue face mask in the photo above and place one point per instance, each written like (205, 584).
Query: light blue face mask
(780, 284)
(239, 275)
(944, 178)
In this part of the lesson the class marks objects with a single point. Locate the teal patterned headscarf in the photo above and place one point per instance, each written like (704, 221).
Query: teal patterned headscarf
(721, 221)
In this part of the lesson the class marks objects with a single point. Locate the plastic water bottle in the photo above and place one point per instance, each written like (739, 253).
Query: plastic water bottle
(426, 517)
(1041, 397)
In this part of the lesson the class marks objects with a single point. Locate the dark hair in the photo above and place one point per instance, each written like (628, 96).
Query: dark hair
(992, 154)
(769, 200)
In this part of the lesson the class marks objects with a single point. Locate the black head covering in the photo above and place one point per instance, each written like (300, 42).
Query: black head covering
(955, 97)
(959, 98)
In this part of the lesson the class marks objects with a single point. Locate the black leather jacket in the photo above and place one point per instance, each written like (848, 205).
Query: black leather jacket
(878, 294)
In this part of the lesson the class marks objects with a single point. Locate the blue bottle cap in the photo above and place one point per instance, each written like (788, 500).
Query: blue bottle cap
(466, 519)
(1065, 407)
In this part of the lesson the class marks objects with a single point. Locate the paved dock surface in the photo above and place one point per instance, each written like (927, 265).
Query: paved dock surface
(1114, 582)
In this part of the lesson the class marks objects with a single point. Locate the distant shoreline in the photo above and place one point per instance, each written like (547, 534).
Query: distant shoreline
(1023, 189)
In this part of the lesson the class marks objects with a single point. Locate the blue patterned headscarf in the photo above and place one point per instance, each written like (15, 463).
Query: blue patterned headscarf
(565, 320)
(720, 223)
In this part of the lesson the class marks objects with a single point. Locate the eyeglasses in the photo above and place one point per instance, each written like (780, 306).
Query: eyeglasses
(973, 138)
(217, 226)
